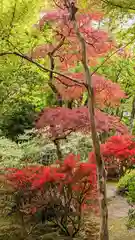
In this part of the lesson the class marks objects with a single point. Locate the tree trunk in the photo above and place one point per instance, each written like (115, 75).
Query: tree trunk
(132, 115)
(103, 136)
(104, 235)
(52, 86)
(58, 150)
(69, 104)
(121, 115)
(52, 65)
(100, 166)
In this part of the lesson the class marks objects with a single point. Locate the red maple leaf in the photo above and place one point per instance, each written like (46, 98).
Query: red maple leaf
(106, 92)
(61, 121)
(97, 41)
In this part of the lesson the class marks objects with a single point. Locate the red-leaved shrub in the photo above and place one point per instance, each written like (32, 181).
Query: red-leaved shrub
(60, 192)
(118, 154)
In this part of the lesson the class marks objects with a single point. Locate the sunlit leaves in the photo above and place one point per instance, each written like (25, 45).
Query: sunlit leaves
(97, 41)
(16, 22)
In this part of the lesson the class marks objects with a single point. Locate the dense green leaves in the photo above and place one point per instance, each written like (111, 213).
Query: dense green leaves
(16, 22)
(19, 117)
(20, 80)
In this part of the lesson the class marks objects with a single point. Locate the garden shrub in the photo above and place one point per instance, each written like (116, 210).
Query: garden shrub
(37, 148)
(10, 153)
(59, 194)
(42, 150)
(126, 185)
(118, 153)
(77, 143)
(131, 218)
(29, 150)
(34, 148)
(17, 119)
(131, 191)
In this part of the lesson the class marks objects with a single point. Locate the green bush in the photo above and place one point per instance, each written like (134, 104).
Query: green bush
(32, 148)
(77, 143)
(17, 119)
(37, 149)
(131, 218)
(131, 191)
(40, 149)
(10, 153)
(126, 185)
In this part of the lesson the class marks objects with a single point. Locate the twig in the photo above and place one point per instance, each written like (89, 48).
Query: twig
(117, 5)
(113, 53)
(12, 19)
(41, 66)
(54, 89)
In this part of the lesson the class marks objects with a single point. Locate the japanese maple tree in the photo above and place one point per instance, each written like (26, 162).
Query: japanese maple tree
(78, 42)
(65, 53)
(61, 121)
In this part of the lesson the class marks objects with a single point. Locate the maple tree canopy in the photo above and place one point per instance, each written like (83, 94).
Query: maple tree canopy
(61, 121)
(66, 52)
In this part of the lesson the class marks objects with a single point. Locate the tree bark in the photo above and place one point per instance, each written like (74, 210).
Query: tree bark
(104, 235)
(103, 136)
(58, 150)
(69, 104)
(52, 86)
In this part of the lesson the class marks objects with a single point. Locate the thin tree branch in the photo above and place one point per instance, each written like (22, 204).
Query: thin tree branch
(118, 5)
(107, 58)
(12, 19)
(42, 67)
(52, 64)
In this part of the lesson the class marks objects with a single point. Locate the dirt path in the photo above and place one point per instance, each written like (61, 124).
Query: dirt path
(118, 206)
(118, 212)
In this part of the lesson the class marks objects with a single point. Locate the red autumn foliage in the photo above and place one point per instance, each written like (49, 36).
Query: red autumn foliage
(22, 178)
(97, 41)
(118, 153)
(69, 53)
(64, 189)
(106, 92)
(61, 121)
(37, 176)
(121, 147)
